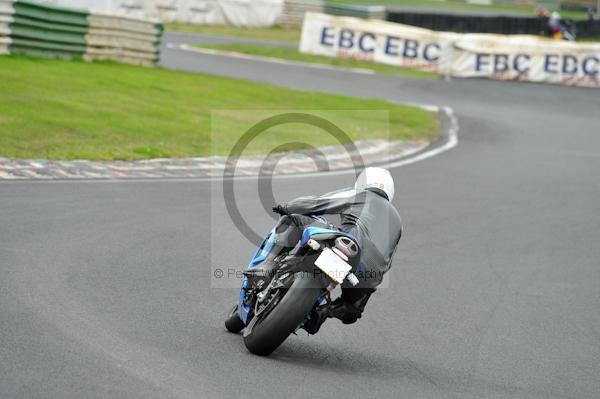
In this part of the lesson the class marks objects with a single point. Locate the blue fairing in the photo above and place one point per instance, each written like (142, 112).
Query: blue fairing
(311, 231)
(263, 251)
(244, 309)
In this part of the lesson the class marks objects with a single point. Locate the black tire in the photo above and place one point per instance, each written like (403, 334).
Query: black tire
(233, 323)
(263, 336)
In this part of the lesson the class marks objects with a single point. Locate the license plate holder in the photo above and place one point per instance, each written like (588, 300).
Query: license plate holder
(333, 266)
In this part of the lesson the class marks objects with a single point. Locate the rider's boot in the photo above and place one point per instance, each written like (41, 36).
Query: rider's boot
(348, 308)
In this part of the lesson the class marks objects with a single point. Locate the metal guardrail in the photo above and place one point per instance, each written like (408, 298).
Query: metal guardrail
(294, 10)
(506, 25)
(354, 10)
(27, 27)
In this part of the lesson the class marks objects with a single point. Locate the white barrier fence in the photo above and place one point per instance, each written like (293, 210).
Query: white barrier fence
(521, 58)
(246, 13)
(233, 12)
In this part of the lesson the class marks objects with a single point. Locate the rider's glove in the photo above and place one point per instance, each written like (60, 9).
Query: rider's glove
(280, 210)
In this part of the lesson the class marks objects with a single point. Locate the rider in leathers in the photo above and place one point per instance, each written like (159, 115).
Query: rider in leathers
(366, 212)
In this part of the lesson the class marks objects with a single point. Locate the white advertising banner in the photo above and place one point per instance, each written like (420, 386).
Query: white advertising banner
(375, 40)
(526, 58)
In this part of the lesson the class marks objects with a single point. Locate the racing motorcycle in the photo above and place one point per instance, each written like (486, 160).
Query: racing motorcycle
(280, 289)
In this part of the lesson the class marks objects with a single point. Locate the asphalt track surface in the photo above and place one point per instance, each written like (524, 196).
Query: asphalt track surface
(105, 288)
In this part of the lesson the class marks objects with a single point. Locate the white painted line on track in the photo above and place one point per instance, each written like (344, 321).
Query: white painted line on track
(451, 142)
(233, 54)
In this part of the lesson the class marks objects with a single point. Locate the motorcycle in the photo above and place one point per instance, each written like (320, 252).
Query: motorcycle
(564, 30)
(281, 289)
(568, 30)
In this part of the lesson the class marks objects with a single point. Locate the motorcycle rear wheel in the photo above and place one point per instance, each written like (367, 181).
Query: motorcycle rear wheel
(267, 332)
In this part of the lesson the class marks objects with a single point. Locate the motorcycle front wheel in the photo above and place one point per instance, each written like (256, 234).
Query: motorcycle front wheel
(266, 332)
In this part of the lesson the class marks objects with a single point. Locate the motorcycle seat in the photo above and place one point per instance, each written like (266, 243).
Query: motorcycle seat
(321, 234)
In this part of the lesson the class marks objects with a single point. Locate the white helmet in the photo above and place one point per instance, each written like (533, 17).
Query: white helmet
(378, 178)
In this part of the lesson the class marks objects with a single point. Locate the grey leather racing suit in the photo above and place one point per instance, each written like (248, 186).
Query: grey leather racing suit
(369, 217)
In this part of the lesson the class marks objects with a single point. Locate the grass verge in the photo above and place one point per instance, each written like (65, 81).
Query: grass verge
(75, 110)
(293, 54)
(281, 33)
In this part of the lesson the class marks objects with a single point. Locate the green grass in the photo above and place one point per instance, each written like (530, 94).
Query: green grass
(75, 110)
(294, 55)
(281, 33)
(461, 5)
